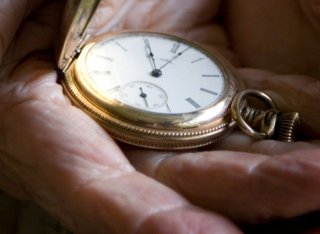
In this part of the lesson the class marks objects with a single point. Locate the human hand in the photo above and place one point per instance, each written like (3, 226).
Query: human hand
(248, 180)
(53, 153)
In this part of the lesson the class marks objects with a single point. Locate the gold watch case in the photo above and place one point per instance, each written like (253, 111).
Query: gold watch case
(132, 125)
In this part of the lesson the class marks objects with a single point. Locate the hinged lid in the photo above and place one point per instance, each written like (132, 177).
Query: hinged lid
(78, 14)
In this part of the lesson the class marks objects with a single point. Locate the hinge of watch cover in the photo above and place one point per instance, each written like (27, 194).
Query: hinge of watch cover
(67, 61)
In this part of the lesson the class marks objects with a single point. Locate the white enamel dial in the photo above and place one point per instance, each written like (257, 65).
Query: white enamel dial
(155, 73)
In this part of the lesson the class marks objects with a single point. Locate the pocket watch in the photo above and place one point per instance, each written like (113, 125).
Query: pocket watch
(157, 90)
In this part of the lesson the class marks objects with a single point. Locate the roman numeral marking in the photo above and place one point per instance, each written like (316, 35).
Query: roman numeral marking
(198, 60)
(102, 72)
(121, 46)
(105, 57)
(115, 89)
(168, 108)
(109, 59)
(209, 91)
(193, 103)
(175, 48)
(210, 76)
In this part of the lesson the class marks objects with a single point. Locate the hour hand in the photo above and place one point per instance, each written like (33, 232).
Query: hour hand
(155, 71)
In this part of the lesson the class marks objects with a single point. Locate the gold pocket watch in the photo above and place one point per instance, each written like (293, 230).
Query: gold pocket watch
(157, 90)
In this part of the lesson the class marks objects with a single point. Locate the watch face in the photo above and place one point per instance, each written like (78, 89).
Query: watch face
(155, 73)
(154, 90)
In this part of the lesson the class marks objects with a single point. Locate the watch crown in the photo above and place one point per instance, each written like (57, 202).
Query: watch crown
(286, 126)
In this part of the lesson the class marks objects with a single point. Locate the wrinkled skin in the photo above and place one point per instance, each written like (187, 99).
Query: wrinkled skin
(55, 154)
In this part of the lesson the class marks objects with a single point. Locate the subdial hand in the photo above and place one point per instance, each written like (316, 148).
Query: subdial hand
(144, 96)
(155, 72)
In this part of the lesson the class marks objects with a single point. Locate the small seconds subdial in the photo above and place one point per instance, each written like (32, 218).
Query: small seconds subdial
(143, 95)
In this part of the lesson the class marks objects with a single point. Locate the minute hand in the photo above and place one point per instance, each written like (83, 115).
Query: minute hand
(175, 57)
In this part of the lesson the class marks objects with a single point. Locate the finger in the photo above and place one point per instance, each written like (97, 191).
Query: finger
(12, 12)
(36, 33)
(263, 41)
(156, 15)
(240, 142)
(70, 166)
(194, 20)
(246, 187)
(9, 207)
(291, 93)
(9, 186)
